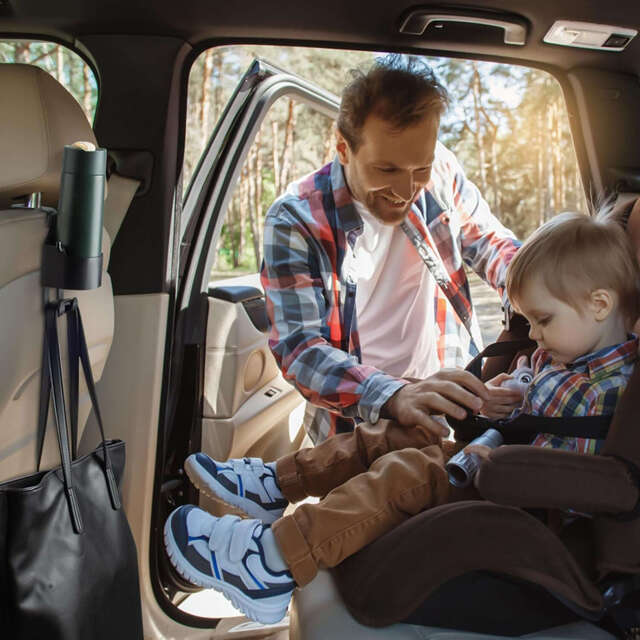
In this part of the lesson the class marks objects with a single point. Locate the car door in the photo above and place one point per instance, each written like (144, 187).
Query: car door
(230, 399)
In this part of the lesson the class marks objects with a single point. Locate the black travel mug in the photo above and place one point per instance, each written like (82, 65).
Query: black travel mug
(81, 203)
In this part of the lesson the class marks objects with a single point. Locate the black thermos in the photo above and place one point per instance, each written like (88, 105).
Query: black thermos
(81, 202)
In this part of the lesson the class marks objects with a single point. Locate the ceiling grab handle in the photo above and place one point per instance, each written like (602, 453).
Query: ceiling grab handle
(515, 31)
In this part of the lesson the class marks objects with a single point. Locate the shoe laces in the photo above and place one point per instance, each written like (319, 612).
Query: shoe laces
(232, 534)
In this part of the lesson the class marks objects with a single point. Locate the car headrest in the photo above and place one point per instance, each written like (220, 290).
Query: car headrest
(633, 226)
(38, 116)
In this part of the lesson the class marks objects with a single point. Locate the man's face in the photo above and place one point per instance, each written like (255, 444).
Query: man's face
(390, 167)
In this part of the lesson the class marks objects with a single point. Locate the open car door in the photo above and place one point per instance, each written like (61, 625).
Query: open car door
(228, 397)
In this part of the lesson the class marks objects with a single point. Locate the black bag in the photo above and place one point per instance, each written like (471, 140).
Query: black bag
(68, 560)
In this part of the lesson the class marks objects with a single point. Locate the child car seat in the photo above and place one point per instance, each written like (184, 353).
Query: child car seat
(504, 565)
(588, 567)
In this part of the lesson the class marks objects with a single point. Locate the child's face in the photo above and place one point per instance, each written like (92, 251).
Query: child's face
(561, 330)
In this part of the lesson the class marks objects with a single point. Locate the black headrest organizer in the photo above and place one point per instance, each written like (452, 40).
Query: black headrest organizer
(523, 428)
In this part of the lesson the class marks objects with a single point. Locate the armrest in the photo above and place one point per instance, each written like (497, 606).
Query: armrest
(532, 477)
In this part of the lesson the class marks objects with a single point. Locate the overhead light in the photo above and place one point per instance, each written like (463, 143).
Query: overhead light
(587, 35)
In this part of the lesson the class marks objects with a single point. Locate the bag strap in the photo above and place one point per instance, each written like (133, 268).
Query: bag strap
(45, 399)
(436, 268)
(55, 375)
(52, 387)
(79, 342)
(74, 380)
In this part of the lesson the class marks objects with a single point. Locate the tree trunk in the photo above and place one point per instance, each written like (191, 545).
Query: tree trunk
(217, 92)
(476, 91)
(251, 202)
(329, 142)
(242, 213)
(86, 96)
(548, 175)
(234, 236)
(59, 65)
(204, 94)
(274, 157)
(540, 189)
(497, 204)
(258, 182)
(557, 158)
(21, 52)
(286, 157)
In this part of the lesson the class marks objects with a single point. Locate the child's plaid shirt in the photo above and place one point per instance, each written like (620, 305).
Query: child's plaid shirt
(310, 301)
(590, 386)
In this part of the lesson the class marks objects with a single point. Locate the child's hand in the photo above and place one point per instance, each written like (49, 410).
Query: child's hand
(481, 450)
(502, 401)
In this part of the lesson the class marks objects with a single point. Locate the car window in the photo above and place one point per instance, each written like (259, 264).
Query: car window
(507, 125)
(66, 66)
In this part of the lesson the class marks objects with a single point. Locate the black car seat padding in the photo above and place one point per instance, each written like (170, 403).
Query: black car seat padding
(487, 596)
(389, 580)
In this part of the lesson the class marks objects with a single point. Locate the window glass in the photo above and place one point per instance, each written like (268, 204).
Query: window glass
(64, 65)
(507, 124)
(276, 157)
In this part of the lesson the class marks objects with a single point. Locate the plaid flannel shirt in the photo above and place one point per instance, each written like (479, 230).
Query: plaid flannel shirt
(310, 301)
(590, 386)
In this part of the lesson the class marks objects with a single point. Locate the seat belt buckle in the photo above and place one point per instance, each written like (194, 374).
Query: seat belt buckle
(507, 311)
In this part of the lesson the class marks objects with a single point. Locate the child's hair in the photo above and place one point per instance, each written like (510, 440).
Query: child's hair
(577, 254)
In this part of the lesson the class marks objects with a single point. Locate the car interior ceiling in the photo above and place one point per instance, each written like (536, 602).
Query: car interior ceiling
(144, 49)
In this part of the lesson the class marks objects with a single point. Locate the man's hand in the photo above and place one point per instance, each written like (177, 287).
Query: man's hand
(502, 400)
(446, 392)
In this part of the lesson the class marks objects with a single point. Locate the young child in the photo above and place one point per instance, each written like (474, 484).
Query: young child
(575, 280)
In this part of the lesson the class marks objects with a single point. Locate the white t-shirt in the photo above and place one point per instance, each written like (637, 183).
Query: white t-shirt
(394, 301)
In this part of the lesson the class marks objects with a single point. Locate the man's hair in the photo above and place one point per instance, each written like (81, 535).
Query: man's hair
(399, 89)
(576, 254)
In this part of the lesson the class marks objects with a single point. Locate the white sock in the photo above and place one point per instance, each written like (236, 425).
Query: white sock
(272, 555)
(272, 466)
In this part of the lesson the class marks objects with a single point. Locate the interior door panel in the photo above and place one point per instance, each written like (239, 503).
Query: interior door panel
(247, 405)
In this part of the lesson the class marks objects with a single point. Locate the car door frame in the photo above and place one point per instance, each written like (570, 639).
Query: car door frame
(205, 204)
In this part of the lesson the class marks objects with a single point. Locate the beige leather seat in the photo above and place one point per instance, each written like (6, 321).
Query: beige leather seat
(37, 118)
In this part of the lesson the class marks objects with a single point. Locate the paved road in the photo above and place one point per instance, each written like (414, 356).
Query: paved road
(487, 304)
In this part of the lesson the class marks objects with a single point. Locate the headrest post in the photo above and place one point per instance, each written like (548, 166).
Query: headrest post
(35, 200)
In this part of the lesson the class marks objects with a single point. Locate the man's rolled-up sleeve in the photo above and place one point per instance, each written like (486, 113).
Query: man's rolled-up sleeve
(301, 316)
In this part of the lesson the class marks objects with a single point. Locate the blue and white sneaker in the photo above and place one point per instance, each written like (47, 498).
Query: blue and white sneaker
(228, 554)
(246, 483)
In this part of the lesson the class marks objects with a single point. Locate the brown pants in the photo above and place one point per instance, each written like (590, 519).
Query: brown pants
(372, 480)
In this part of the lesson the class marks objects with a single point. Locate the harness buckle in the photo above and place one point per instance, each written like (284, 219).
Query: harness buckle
(507, 312)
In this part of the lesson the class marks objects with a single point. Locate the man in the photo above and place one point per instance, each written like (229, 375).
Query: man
(367, 298)
(359, 324)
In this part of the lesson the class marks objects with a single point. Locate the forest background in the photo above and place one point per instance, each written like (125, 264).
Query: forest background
(507, 124)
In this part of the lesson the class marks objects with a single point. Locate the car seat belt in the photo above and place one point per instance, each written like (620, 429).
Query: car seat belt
(120, 192)
(522, 428)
